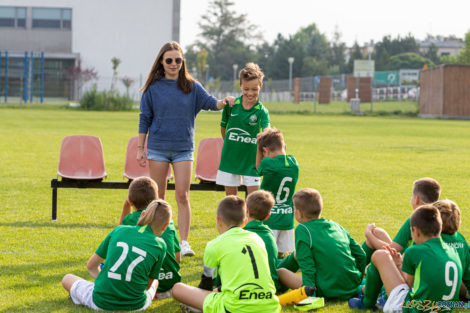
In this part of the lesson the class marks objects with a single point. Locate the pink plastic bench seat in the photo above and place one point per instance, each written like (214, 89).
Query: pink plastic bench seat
(132, 169)
(208, 159)
(81, 157)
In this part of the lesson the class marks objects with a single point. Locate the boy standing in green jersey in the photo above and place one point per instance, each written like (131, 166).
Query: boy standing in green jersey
(280, 174)
(427, 277)
(258, 209)
(425, 190)
(239, 126)
(450, 215)
(134, 256)
(142, 191)
(239, 257)
(328, 257)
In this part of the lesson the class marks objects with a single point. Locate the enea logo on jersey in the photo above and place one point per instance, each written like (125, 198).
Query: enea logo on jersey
(240, 135)
(253, 291)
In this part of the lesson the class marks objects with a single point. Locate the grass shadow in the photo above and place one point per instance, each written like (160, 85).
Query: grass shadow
(52, 224)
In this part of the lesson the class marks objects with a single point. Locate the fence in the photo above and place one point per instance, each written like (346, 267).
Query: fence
(29, 76)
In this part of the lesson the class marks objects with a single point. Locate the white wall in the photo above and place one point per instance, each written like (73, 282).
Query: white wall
(131, 30)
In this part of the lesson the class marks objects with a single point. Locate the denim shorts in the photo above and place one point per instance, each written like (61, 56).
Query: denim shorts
(170, 156)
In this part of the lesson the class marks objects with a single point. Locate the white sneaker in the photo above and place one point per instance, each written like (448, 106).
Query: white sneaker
(162, 295)
(186, 249)
(188, 309)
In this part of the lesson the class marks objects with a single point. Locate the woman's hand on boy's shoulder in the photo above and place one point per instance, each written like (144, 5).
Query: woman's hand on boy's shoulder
(230, 100)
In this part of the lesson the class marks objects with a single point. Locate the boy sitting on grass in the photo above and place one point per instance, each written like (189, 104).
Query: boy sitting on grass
(240, 258)
(142, 191)
(134, 256)
(258, 209)
(430, 268)
(450, 215)
(280, 174)
(425, 190)
(328, 257)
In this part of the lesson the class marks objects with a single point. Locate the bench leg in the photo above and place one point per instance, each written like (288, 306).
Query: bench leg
(54, 204)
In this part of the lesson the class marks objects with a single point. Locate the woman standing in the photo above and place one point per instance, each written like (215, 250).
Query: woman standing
(169, 105)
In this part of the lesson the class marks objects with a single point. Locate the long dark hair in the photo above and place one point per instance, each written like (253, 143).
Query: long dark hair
(185, 81)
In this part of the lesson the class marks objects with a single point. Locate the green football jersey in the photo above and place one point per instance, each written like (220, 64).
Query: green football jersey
(280, 176)
(437, 272)
(132, 254)
(266, 234)
(403, 236)
(240, 143)
(169, 274)
(329, 258)
(458, 242)
(239, 257)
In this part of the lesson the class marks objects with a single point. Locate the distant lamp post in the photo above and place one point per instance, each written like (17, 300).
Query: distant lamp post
(291, 61)
(235, 68)
(207, 73)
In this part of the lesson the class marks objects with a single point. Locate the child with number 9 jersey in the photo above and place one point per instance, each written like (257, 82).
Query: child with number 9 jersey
(239, 126)
(280, 173)
(134, 256)
(429, 274)
(239, 257)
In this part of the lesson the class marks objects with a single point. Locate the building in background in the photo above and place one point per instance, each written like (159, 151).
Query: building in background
(444, 45)
(92, 31)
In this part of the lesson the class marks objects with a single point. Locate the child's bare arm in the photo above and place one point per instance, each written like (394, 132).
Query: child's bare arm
(93, 265)
(259, 151)
(126, 210)
(222, 132)
(396, 246)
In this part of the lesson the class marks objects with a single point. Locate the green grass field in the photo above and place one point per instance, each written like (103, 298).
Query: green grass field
(363, 166)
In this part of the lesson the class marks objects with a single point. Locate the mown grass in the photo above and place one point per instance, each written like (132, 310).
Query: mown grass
(364, 167)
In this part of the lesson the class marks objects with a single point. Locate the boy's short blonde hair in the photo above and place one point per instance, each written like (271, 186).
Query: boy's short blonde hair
(272, 139)
(259, 204)
(309, 201)
(232, 211)
(427, 189)
(427, 219)
(251, 71)
(450, 215)
(142, 191)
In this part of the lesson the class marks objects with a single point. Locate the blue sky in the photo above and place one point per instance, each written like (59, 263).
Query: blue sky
(360, 20)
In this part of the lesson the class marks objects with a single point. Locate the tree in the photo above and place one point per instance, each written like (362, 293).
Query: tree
(409, 60)
(464, 56)
(80, 76)
(337, 51)
(431, 53)
(389, 47)
(127, 81)
(307, 44)
(115, 64)
(356, 54)
(227, 36)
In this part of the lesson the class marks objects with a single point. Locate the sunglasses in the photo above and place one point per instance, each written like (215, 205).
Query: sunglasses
(170, 60)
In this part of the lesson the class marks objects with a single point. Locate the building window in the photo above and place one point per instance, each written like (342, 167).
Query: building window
(52, 18)
(12, 17)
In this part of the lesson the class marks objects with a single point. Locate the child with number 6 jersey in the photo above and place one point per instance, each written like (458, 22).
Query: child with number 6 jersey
(239, 257)
(280, 173)
(134, 256)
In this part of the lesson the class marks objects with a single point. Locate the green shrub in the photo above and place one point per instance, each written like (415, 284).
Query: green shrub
(96, 100)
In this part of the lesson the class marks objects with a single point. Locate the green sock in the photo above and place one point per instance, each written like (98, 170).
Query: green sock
(372, 287)
(290, 263)
(368, 250)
